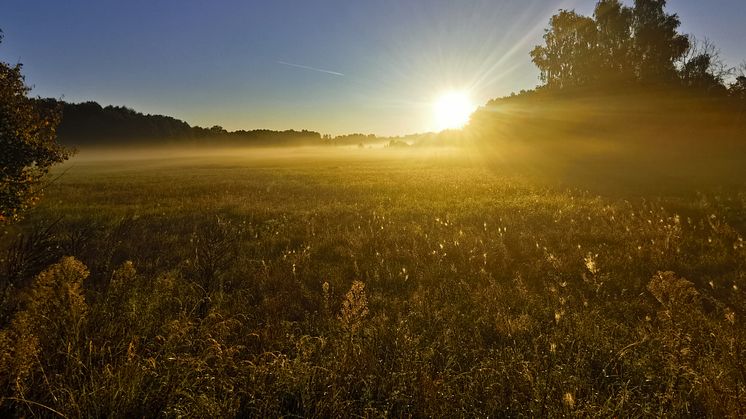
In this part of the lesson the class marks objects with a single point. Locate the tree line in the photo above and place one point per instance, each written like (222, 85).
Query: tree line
(89, 123)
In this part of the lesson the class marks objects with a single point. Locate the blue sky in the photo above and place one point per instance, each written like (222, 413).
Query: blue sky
(248, 64)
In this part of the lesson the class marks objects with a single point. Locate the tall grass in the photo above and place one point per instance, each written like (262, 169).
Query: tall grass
(373, 289)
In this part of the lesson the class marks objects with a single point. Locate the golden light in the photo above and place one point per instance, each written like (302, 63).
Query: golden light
(452, 110)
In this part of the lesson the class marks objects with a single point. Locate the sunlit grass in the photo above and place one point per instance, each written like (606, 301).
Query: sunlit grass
(382, 282)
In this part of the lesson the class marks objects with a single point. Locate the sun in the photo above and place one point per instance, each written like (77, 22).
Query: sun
(452, 110)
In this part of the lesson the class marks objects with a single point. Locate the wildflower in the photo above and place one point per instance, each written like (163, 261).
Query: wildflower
(730, 316)
(56, 309)
(57, 294)
(124, 274)
(569, 400)
(354, 308)
(590, 263)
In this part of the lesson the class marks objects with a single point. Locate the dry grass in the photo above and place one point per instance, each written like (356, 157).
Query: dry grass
(403, 286)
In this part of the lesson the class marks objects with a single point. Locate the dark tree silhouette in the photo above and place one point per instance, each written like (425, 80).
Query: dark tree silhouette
(568, 55)
(618, 44)
(701, 67)
(90, 124)
(657, 44)
(28, 143)
(615, 43)
(738, 87)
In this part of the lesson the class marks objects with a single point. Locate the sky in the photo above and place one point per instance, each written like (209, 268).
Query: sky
(333, 66)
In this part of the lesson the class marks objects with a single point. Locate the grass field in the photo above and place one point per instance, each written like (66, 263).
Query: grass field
(319, 282)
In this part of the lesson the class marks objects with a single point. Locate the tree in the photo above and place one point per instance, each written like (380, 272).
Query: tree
(657, 44)
(567, 57)
(738, 87)
(618, 44)
(614, 22)
(28, 143)
(702, 67)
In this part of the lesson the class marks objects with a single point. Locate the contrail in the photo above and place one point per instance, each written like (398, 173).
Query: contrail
(305, 67)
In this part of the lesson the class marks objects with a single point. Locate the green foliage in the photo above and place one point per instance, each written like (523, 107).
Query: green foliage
(28, 144)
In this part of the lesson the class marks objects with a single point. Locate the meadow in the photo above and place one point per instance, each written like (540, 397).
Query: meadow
(357, 282)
